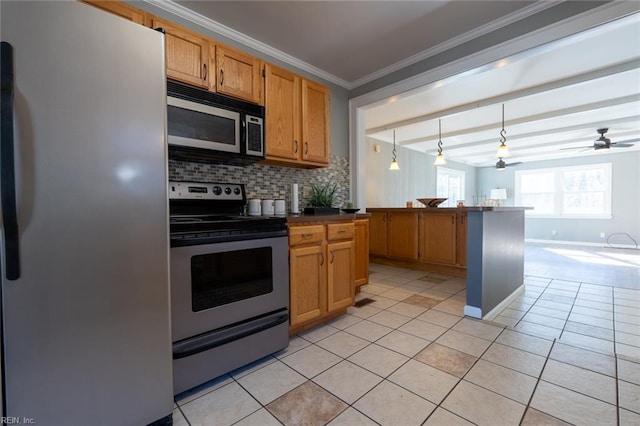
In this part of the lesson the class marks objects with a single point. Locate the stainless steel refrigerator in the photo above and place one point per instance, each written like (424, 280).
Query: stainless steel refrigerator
(84, 243)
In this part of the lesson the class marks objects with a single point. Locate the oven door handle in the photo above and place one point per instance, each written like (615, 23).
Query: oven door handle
(215, 338)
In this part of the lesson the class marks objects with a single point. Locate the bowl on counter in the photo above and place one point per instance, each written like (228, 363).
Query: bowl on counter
(432, 202)
(350, 210)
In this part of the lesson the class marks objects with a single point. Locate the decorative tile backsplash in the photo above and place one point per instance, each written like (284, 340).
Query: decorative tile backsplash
(268, 182)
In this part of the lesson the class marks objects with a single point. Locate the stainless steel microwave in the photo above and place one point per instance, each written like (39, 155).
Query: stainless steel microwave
(208, 127)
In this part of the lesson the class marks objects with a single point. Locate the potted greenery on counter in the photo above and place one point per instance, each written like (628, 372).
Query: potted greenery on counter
(321, 199)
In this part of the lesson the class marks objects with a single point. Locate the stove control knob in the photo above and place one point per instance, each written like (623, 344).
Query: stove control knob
(236, 191)
(217, 190)
(227, 190)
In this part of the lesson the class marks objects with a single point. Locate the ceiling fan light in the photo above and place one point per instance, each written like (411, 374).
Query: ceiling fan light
(503, 151)
(394, 165)
(439, 160)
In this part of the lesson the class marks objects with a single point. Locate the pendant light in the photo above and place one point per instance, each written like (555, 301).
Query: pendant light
(440, 157)
(503, 151)
(394, 163)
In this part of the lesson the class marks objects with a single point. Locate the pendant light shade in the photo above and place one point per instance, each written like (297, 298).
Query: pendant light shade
(440, 157)
(503, 151)
(394, 163)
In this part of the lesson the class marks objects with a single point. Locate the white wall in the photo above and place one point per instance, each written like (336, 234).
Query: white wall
(625, 203)
(415, 179)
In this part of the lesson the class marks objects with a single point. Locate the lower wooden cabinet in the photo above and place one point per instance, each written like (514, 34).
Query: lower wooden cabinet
(378, 233)
(402, 238)
(322, 271)
(362, 251)
(438, 237)
(309, 292)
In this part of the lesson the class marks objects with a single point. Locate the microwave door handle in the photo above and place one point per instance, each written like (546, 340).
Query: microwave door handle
(7, 165)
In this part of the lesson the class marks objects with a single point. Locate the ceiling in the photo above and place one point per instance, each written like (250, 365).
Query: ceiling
(554, 96)
(353, 42)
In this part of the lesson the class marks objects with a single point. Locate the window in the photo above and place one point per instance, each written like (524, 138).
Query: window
(450, 185)
(580, 191)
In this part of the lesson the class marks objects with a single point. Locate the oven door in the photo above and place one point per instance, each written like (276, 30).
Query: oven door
(216, 285)
(198, 125)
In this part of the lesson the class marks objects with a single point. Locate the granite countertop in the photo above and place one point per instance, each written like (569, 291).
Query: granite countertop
(300, 218)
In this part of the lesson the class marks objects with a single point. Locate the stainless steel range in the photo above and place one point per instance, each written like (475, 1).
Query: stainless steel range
(229, 282)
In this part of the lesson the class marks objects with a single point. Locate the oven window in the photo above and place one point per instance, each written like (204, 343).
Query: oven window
(197, 125)
(227, 277)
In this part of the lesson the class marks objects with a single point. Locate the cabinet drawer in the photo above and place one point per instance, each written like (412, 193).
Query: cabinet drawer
(340, 231)
(306, 234)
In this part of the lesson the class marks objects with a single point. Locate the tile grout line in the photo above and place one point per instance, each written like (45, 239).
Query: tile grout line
(537, 383)
(615, 353)
(533, 304)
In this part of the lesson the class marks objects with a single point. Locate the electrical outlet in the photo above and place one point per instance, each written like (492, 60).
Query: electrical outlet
(602, 235)
(554, 232)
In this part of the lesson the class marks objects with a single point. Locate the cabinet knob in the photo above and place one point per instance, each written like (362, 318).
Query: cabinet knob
(306, 148)
(296, 146)
(331, 256)
(321, 259)
(306, 235)
(204, 72)
(221, 77)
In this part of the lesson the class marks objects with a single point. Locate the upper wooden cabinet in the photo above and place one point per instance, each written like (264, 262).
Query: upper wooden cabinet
(238, 75)
(315, 122)
(187, 54)
(297, 119)
(121, 9)
(282, 113)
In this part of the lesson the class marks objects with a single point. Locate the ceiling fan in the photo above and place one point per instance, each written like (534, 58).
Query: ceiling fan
(501, 165)
(605, 143)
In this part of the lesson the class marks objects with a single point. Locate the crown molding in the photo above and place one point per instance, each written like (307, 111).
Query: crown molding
(198, 19)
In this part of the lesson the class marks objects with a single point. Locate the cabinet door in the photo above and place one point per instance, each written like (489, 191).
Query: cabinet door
(238, 74)
(308, 283)
(282, 113)
(439, 238)
(378, 233)
(340, 276)
(461, 239)
(187, 54)
(123, 10)
(315, 122)
(362, 252)
(403, 235)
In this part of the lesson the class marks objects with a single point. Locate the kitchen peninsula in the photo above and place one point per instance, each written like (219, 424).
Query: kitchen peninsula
(485, 244)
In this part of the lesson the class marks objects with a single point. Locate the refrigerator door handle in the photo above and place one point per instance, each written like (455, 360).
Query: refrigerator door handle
(7, 166)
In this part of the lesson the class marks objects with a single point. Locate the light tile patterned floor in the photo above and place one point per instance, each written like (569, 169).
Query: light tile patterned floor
(562, 352)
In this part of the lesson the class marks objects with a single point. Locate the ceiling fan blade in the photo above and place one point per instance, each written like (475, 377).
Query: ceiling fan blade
(636, 140)
(621, 145)
(514, 164)
(576, 147)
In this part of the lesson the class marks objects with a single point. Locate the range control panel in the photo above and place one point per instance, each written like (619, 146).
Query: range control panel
(206, 191)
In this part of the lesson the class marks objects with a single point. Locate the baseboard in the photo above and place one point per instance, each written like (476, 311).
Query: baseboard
(580, 243)
(502, 305)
